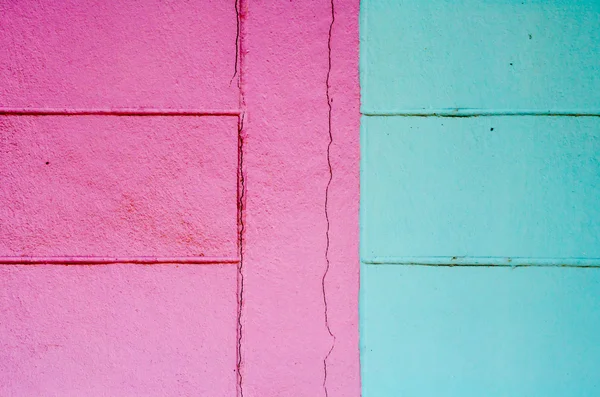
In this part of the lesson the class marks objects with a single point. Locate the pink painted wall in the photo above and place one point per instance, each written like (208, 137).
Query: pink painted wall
(119, 142)
(110, 53)
(117, 330)
(118, 186)
(285, 64)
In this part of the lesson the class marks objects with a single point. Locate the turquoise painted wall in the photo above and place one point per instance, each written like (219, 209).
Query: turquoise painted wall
(480, 198)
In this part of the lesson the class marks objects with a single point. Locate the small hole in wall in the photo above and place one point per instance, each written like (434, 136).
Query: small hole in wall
(47, 162)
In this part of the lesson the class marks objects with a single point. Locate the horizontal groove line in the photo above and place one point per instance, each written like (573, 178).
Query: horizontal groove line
(481, 113)
(116, 112)
(484, 261)
(98, 260)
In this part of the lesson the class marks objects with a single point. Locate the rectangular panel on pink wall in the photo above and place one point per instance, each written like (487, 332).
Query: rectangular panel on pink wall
(112, 53)
(118, 186)
(118, 330)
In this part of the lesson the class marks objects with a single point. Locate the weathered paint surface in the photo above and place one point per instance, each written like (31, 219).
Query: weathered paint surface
(285, 64)
(115, 54)
(508, 190)
(117, 330)
(106, 152)
(517, 184)
(110, 186)
(473, 331)
(510, 54)
(118, 186)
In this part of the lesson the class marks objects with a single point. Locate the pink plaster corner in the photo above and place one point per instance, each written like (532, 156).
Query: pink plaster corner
(117, 330)
(285, 65)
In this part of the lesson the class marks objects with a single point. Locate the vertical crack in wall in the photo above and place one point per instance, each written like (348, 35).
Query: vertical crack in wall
(241, 198)
(237, 42)
(240, 268)
(328, 263)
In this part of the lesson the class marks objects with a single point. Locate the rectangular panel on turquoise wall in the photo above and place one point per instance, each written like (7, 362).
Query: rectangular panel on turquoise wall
(480, 331)
(484, 190)
(509, 54)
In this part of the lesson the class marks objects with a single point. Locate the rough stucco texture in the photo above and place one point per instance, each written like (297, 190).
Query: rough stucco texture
(99, 53)
(286, 62)
(117, 330)
(118, 186)
(129, 330)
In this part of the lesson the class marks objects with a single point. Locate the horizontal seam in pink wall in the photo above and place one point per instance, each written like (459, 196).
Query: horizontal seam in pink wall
(116, 112)
(100, 260)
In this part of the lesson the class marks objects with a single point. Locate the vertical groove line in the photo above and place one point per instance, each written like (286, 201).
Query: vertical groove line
(240, 268)
(241, 189)
(237, 43)
(327, 237)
